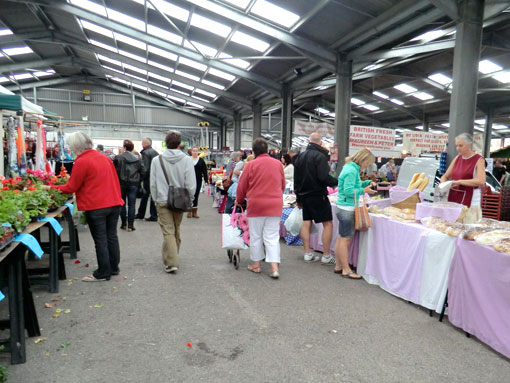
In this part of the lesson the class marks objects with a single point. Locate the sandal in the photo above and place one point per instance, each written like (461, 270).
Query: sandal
(91, 278)
(350, 275)
(255, 270)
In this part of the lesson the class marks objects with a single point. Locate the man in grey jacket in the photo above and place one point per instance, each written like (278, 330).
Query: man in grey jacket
(181, 173)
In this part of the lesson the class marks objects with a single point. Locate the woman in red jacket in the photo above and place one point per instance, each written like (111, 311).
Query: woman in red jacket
(95, 182)
(262, 183)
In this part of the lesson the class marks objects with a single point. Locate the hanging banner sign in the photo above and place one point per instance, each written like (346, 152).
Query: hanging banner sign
(305, 128)
(371, 137)
(425, 142)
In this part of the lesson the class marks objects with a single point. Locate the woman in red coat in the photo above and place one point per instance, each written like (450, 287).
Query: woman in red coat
(95, 182)
(262, 183)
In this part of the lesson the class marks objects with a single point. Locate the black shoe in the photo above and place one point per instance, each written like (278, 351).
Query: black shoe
(123, 226)
(115, 272)
(139, 217)
(131, 228)
(151, 219)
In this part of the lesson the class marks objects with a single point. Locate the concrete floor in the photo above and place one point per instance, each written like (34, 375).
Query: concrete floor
(311, 325)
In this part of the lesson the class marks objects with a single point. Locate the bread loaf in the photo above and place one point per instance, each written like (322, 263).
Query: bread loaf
(413, 180)
(424, 184)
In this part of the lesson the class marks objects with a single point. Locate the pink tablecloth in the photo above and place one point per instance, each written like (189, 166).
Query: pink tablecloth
(479, 294)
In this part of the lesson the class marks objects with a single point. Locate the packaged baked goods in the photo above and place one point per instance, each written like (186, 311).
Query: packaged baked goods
(432, 222)
(502, 245)
(389, 211)
(375, 209)
(455, 229)
(492, 237)
(472, 232)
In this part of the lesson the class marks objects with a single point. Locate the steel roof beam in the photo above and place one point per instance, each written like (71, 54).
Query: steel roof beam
(20, 37)
(35, 64)
(449, 8)
(40, 84)
(409, 51)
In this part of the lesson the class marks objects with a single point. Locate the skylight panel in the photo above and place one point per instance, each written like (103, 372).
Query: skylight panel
(430, 35)
(218, 73)
(180, 92)
(423, 96)
(4, 79)
(96, 28)
(420, 127)
(108, 59)
(187, 75)
(499, 127)
(446, 124)
(274, 13)
(201, 99)
(158, 84)
(90, 6)
(396, 101)
(112, 69)
(119, 79)
(249, 41)
(322, 110)
(239, 3)
(144, 88)
(102, 45)
(441, 78)
(237, 62)
(173, 98)
(162, 53)
(210, 25)
(160, 66)
(192, 64)
(487, 66)
(357, 101)
(436, 131)
(21, 76)
(163, 34)
(17, 51)
(171, 9)
(189, 103)
(213, 84)
(480, 121)
(135, 77)
(159, 77)
(205, 49)
(48, 72)
(405, 88)
(133, 56)
(158, 93)
(130, 41)
(182, 85)
(125, 19)
(5, 32)
(205, 93)
(134, 68)
(379, 94)
(479, 129)
(370, 107)
(503, 77)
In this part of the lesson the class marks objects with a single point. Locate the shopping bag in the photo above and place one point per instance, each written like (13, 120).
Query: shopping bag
(294, 222)
(361, 217)
(232, 237)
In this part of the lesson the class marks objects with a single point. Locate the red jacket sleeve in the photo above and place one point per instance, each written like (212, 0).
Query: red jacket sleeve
(75, 181)
(282, 176)
(242, 187)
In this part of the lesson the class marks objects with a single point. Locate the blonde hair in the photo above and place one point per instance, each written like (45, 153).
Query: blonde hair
(250, 157)
(361, 156)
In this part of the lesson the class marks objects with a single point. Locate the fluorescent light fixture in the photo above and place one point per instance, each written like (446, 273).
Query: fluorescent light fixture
(423, 96)
(144, 88)
(419, 127)
(22, 76)
(274, 13)
(503, 77)
(499, 127)
(446, 124)
(160, 66)
(441, 78)
(102, 45)
(180, 92)
(204, 92)
(237, 62)
(159, 77)
(487, 66)
(430, 35)
(163, 34)
(112, 69)
(96, 28)
(201, 99)
(399, 130)
(17, 51)
(132, 56)
(157, 84)
(108, 59)
(213, 84)
(125, 19)
(187, 75)
(90, 6)
(370, 107)
(379, 94)
(48, 72)
(130, 41)
(192, 104)
(135, 69)
(437, 131)
(162, 53)
(182, 85)
(210, 25)
(135, 77)
(119, 80)
(480, 121)
(205, 49)
(479, 129)
(158, 93)
(170, 9)
(5, 32)
(405, 88)
(322, 110)
(322, 87)
(396, 101)
(4, 79)
(219, 73)
(357, 101)
(192, 64)
(173, 98)
(239, 3)
(249, 41)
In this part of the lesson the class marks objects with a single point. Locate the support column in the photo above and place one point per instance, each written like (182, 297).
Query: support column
(488, 132)
(257, 120)
(466, 56)
(2, 146)
(223, 134)
(426, 123)
(287, 101)
(34, 91)
(237, 131)
(343, 92)
(134, 107)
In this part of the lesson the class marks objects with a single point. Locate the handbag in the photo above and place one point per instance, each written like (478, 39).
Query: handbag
(227, 182)
(178, 199)
(235, 232)
(361, 217)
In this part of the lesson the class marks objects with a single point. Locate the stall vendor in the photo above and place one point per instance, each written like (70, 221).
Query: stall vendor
(467, 171)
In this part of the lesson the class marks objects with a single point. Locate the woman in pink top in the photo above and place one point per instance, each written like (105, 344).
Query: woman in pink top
(262, 183)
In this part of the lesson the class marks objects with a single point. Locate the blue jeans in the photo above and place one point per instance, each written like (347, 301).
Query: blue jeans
(103, 227)
(128, 193)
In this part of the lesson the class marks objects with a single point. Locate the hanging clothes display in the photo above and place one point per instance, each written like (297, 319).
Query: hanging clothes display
(22, 150)
(61, 143)
(12, 156)
(40, 148)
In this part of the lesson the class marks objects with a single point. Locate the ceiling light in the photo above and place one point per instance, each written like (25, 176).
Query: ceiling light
(176, 99)
(125, 19)
(499, 127)
(22, 76)
(134, 69)
(357, 101)
(130, 41)
(503, 77)
(239, 3)
(419, 127)
(48, 72)
(218, 73)
(5, 32)
(187, 75)
(144, 88)
(104, 46)
(274, 13)
(423, 96)
(370, 107)
(405, 88)
(158, 93)
(159, 77)
(170, 9)
(480, 121)
(437, 131)
(441, 78)
(17, 51)
(189, 103)
(204, 92)
(96, 28)
(108, 59)
(133, 56)
(160, 66)
(192, 64)
(204, 49)
(90, 6)
(119, 80)
(162, 53)
(487, 66)
(213, 84)
(479, 129)
(379, 94)
(112, 69)
(163, 34)
(249, 41)
(182, 85)
(158, 84)
(446, 124)
(237, 62)
(322, 110)
(396, 101)
(210, 25)
(201, 99)
(430, 35)
(180, 92)
(4, 79)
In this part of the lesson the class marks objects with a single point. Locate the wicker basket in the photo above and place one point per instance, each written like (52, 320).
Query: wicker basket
(409, 203)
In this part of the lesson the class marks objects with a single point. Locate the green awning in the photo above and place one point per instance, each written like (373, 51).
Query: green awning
(501, 153)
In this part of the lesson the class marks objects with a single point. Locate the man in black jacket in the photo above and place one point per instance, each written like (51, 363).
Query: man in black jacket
(131, 172)
(148, 153)
(311, 179)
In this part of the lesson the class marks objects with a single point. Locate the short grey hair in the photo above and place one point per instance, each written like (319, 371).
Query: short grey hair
(466, 137)
(235, 156)
(315, 137)
(148, 140)
(79, 142)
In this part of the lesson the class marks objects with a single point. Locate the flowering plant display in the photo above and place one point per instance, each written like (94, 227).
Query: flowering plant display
(240, 221)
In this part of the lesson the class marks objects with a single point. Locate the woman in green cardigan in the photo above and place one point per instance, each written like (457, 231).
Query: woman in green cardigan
(350, 185)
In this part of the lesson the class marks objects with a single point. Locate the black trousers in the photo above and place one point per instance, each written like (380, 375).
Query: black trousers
(143, 203)
(103, 227)
(197, 192)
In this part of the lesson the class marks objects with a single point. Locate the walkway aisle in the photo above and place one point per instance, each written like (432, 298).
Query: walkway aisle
(311, 325)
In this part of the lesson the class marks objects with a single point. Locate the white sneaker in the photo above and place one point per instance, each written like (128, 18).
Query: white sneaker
(328, 260)
(172, 269)
(311, 257)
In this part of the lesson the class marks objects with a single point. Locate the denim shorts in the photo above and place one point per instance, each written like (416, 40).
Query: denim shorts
(345, 222)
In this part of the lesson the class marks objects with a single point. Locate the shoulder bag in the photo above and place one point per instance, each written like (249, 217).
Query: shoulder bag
(227, 182)
(361, 217)
(178, 199)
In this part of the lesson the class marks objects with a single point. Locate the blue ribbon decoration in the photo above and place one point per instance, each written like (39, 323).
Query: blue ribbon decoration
(70, 206)
(54, 223)
(30, 242)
